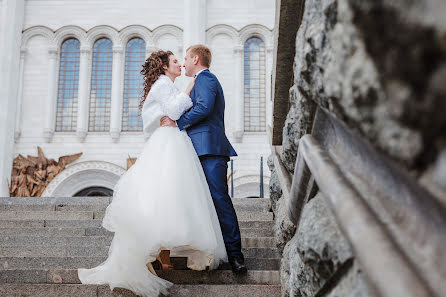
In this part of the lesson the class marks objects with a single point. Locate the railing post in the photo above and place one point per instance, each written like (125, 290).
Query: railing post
(261, 177)
(232, 178)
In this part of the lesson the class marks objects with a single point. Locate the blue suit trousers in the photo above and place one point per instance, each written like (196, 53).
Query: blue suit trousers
(215, 169)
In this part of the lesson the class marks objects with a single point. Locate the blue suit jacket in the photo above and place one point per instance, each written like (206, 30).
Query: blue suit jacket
(204, 122)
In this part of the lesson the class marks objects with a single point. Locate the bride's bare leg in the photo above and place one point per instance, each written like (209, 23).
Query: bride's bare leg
(164, 258)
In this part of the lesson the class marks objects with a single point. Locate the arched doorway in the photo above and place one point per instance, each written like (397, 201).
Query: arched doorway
(94, 191)
(90, 178)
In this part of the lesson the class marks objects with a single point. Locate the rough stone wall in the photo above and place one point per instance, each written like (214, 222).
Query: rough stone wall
(318, 258)
(380, 67)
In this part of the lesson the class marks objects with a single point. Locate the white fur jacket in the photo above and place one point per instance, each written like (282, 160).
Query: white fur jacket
(163, 99)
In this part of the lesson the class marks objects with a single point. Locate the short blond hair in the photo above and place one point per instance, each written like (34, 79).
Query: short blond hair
(203, 53)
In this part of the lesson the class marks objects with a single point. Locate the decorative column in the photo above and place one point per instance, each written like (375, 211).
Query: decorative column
(17, 131)
(239, 93)
(51, 100)
(12, 16)
(83, 93)
(116, 96)
(269, 95)
(194, 31)
(195, 18)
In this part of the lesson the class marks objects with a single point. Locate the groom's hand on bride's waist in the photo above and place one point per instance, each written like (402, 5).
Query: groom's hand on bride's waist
(167, 122)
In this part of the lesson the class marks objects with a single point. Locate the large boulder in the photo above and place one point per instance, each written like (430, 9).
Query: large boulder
(315, 253)
(379, 66)
(352, 284)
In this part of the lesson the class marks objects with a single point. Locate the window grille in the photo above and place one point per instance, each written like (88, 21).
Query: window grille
(101, 79)
(133, 84)
(67, 95)
(254, 85)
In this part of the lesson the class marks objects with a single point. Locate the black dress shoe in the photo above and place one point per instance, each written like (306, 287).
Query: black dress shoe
(238, 265)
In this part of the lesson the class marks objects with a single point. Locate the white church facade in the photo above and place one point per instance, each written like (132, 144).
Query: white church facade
(70, 81)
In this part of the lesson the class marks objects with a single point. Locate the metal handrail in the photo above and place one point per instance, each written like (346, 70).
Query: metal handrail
(377, 226)
(371, 244)
(230, 179)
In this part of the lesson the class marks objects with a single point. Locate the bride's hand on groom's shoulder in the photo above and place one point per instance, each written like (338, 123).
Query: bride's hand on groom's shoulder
(167, 122)
(190, 87)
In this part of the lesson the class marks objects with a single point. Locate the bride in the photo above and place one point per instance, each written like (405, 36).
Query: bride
(162, 203)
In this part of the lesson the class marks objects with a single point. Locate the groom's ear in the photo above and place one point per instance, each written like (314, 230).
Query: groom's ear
(196, 60)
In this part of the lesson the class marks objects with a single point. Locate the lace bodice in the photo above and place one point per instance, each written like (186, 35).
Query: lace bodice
(164, 99)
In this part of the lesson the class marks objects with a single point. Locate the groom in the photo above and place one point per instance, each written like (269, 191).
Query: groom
(205, 126)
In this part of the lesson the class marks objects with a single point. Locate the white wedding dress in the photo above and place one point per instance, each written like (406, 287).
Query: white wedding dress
(161, 202)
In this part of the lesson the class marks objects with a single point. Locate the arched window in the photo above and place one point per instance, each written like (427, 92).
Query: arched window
(133, 84)
(66, 114)
(101, 79)
(254, 72)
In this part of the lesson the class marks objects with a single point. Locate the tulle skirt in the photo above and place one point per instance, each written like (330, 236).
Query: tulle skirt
(161, 202)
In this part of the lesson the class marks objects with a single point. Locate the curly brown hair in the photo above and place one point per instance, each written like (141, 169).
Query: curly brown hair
(152, 69)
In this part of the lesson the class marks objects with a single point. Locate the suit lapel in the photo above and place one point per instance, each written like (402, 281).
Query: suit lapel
(192, 95)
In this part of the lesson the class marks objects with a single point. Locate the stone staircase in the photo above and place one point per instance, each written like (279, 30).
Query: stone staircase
(44, 240)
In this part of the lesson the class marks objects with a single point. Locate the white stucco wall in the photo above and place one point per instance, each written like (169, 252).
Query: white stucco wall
(223, 59)
(240, 13)
(35, 81)
(90, 13)
(1, 7)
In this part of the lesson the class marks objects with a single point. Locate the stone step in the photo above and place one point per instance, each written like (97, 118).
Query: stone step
(44, 240)
(94, 241)
(256, 232)
(245, 232)
(44, 290)
(69, 276)
(99, 215)
(55, 200)
(95, 200)
(53, 290)
(11, 223)
(250, 252)
(43, 231)
(256, 224)
(90, 223)
(88, 262)
(53, 207)
(76, 251)
(98, 203)
(254, 216)
(47, 215)
(261, 207)
(190, 277)
(241, 216)
(258, 242)
(48, 241)
(53, 231)
(222, 291)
